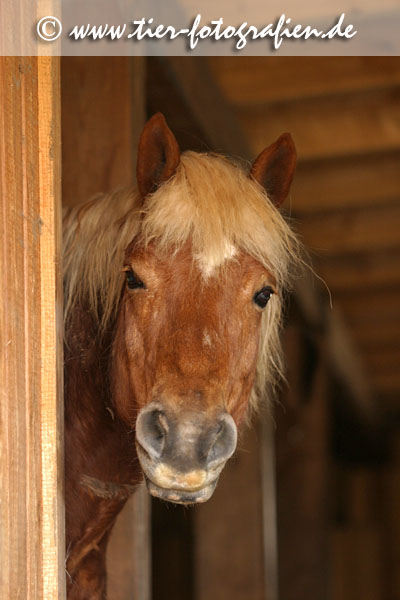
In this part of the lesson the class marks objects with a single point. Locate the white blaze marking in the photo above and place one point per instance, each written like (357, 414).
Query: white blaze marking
(209, 263)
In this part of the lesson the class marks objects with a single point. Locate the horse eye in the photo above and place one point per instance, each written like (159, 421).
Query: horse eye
(261, 298)
(133, 280)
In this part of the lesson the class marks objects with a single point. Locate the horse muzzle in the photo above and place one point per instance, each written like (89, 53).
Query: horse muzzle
(183, 455)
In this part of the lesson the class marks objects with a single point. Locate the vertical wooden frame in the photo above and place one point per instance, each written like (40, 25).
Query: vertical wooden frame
(228, 529)
(31, 408)
(302, 466)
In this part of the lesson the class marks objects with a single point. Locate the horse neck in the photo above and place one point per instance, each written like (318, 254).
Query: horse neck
(87, 357)
(93, 431)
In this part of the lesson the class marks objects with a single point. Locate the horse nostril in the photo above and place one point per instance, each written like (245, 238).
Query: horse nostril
(163, 423)
(151, 430)
(223, 442)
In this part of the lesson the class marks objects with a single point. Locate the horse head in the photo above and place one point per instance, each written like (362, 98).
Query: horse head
(199, 313)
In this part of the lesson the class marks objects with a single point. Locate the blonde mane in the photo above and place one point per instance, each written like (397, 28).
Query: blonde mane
(210, 202)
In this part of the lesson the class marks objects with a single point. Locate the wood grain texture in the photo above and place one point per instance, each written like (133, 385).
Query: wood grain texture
(254, 81)
(302, 462)
(340, 352)
(129, 551)
(332, 126)
(357, 565)
(365, 272)
(353, 231)
(360, 181)
(32, 546)
(52, 413)
(97, 127)
(229, 531)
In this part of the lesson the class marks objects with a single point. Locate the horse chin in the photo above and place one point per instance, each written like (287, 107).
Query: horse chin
(167, 483)
(181, 496)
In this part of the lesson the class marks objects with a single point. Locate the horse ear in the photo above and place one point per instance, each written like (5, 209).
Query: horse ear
(158, 155)
(274, 168)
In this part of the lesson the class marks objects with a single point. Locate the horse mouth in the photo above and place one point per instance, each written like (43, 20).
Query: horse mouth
(181, 496)
(171, 485)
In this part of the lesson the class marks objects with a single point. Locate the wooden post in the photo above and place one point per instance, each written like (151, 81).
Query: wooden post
(31, 440)
(102, 117)
(228, 529)
(269, 508)
(302, 468)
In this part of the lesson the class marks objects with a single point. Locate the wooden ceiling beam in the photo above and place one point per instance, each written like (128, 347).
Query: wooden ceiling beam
(361, 273)
(356, 181)
(348, 365)
(251, 81)
(342, 356)
(331, 126)
(352, 231)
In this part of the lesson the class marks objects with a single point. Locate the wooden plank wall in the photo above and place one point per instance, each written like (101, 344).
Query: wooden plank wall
(102, 116)
(228, 529)
(31, 440)
(99, 125)
(302, 448)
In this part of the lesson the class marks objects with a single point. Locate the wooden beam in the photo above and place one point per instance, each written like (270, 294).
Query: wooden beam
(362, 272)
(196, 84)
(353, 231)
(348, 365)
(267, 432)
(301, 474)
(357, 567)
(129, 551)
(98, 125)
(331, 126)
(250, 81)
(234, 513)
(32, 552)
(341, 354)
(355, 181)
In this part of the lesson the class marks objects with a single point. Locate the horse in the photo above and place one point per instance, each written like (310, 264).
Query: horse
(173, 302)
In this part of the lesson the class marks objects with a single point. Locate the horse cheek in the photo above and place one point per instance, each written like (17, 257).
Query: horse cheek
(248, 347)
